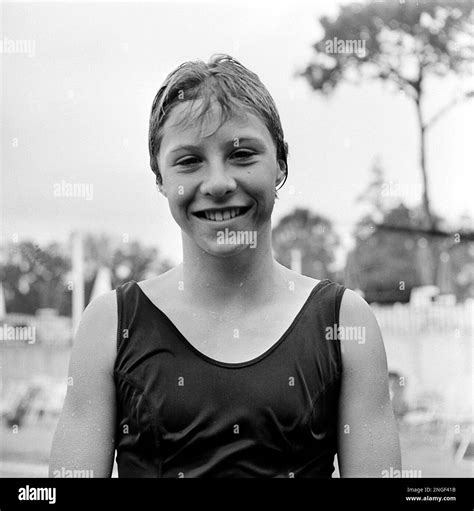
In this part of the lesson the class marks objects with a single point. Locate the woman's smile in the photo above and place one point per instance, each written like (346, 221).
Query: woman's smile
(221, 215)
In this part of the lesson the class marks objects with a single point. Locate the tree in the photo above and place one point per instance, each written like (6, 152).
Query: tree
(374, 194)
(461, 259)
(391, 254)
(312, 237)
(401, 43)
(384, 264)
(34, 277)
(132, 261)
(127, 260)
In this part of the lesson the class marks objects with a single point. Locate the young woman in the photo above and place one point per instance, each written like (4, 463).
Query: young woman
(226, 365)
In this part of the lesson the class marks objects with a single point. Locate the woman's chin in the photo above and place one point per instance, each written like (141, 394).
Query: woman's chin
(224, 249)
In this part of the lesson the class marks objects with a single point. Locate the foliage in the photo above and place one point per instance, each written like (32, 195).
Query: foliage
(313, 236)
(401, 43)
(34, 277)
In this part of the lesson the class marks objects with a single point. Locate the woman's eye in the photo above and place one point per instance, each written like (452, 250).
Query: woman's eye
(188, 161)
(241, 155)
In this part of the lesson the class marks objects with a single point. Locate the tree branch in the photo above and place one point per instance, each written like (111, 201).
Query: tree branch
(391, 73)
(448, 107)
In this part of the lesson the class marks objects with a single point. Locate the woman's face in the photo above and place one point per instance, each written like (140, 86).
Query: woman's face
(219, 181)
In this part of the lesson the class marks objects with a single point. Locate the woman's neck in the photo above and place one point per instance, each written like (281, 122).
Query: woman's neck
(248, 276)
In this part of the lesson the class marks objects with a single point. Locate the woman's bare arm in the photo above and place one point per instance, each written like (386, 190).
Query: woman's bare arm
(84, 438)
(368, 436)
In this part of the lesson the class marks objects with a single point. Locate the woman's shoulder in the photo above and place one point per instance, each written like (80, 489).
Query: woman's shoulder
(94, 340)
(103, 308)
(295, 280)
(162, 284)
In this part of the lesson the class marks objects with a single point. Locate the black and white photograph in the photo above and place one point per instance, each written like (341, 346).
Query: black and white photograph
(237, 241)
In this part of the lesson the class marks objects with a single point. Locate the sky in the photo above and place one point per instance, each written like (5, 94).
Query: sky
(75, 110)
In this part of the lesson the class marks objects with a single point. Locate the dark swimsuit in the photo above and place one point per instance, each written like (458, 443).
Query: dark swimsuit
(183, 414)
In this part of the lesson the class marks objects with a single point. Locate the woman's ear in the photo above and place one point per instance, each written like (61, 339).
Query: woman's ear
(161, 190)
(281, 173)
(160, 187)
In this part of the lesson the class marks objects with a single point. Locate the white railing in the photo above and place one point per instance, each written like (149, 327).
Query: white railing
(50, 329)
(407, 319)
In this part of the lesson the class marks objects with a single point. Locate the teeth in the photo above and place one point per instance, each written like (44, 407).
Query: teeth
(219, 216)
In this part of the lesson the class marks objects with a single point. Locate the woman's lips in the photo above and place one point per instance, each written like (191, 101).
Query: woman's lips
(222, 215)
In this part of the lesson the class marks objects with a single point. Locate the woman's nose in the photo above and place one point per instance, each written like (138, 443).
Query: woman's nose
(217, 181)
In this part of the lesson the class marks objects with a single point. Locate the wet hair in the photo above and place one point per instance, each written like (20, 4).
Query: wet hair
(222, 79)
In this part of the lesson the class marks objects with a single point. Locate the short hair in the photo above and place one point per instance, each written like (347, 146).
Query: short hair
(223, 79)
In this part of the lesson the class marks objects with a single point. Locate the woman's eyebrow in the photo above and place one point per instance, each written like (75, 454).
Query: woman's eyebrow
(185, 147)
(234, 142)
